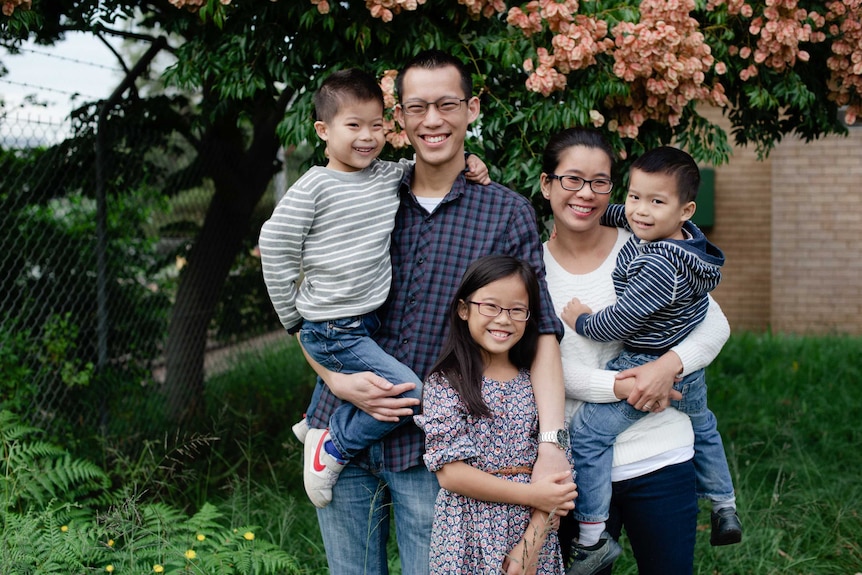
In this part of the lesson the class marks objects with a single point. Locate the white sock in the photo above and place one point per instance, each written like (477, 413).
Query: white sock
(590, 533)
(719, 505)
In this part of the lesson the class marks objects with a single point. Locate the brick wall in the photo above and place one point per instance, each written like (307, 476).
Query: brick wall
(817, 235)
(743, 231)
(791, 229)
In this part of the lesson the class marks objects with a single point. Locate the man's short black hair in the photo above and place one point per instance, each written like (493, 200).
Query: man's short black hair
(433, 60)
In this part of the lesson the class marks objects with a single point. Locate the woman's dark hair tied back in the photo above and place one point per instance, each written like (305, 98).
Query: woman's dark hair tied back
(570, 137)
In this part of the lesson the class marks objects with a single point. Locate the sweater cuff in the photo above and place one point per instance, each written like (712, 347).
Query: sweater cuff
(688, 355)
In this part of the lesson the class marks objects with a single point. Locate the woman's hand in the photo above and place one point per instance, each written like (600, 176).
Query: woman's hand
(653, 383)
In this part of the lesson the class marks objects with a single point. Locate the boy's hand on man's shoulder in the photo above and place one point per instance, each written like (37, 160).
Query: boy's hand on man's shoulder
(477, 170)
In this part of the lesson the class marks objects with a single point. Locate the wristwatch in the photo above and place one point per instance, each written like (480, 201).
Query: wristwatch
(559, 437)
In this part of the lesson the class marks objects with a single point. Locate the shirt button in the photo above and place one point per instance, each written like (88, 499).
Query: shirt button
(412, 300)
(404, 341)
(421, 260)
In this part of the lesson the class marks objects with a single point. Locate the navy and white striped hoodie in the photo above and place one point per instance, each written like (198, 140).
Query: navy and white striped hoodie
(661, 289)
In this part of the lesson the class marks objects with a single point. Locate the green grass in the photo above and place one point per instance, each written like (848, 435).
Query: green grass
(788, 410)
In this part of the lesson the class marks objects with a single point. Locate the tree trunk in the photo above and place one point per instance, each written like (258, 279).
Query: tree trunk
(240, 177)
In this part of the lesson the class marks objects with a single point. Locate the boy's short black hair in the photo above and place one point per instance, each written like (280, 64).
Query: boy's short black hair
(434, 60)
(350, 85)
(672, 162)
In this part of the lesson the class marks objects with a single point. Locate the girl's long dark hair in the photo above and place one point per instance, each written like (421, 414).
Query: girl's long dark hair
(461, 359)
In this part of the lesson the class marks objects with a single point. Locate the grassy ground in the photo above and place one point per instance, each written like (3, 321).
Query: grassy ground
(788, 409)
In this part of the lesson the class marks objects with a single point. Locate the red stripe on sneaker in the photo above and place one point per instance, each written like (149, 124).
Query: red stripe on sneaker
(316, 465)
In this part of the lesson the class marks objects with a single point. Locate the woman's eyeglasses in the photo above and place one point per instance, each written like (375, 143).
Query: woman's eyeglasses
(576, 183)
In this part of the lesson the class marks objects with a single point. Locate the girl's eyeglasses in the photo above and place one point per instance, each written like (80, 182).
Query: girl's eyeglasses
(493, 310)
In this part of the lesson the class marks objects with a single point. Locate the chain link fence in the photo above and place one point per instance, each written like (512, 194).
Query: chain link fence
(84, 308)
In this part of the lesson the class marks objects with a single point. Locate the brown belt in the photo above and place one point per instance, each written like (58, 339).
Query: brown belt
(514, 470)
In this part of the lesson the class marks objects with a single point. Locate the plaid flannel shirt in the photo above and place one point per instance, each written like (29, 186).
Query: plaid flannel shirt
(430, 253)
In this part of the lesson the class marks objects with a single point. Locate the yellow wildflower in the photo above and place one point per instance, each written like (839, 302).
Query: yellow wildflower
(109, 568)
(200, 537)
(158, 568)
(190, 554)
(249, 536)
(64, 528)
(110, 542)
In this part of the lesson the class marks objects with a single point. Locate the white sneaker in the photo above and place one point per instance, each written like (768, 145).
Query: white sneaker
(319, 470)
(300, 429)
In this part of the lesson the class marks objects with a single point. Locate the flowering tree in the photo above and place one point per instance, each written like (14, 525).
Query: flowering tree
(637, 70)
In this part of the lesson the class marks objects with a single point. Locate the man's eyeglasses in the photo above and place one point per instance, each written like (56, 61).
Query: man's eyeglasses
(443, 105)
(575, 184)
(493, 310)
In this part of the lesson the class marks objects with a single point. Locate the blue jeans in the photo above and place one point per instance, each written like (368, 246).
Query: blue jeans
(345, 346)
(355, 526)
(595, 426)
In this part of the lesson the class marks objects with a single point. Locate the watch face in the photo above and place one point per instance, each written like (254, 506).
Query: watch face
(563, 438)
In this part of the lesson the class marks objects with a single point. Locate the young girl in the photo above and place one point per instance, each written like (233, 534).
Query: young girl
(480, 421)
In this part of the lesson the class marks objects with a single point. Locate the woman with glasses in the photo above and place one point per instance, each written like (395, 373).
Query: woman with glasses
(653, 495)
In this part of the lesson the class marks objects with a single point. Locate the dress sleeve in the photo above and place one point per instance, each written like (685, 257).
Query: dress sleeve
(444, 420)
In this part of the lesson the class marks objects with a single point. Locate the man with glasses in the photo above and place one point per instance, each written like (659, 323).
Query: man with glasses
(443, 223)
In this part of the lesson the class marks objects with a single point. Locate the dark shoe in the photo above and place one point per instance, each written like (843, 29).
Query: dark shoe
(592, 559)
(726, 528)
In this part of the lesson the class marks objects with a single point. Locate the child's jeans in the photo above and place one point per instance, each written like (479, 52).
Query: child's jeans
(595, 427)
(345, 346)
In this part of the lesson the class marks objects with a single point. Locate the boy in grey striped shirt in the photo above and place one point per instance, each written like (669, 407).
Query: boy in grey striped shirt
(325, 258)
(662, 279)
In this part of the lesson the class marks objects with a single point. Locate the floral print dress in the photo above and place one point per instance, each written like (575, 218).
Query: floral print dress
(471, 536)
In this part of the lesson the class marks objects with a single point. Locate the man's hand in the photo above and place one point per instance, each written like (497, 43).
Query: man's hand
(373, 394)
(573, 310)
(653, 387)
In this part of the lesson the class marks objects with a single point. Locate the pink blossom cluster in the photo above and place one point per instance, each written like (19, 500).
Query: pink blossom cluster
(576, 41)
(386, 9)
(190, 5)
(544, 78)
(734, 7)
(322, 6)
(779, 31)
(486, 8)
(10, 5)
(554, 14)
(396, 137)
(844, 18)
(664, 59)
